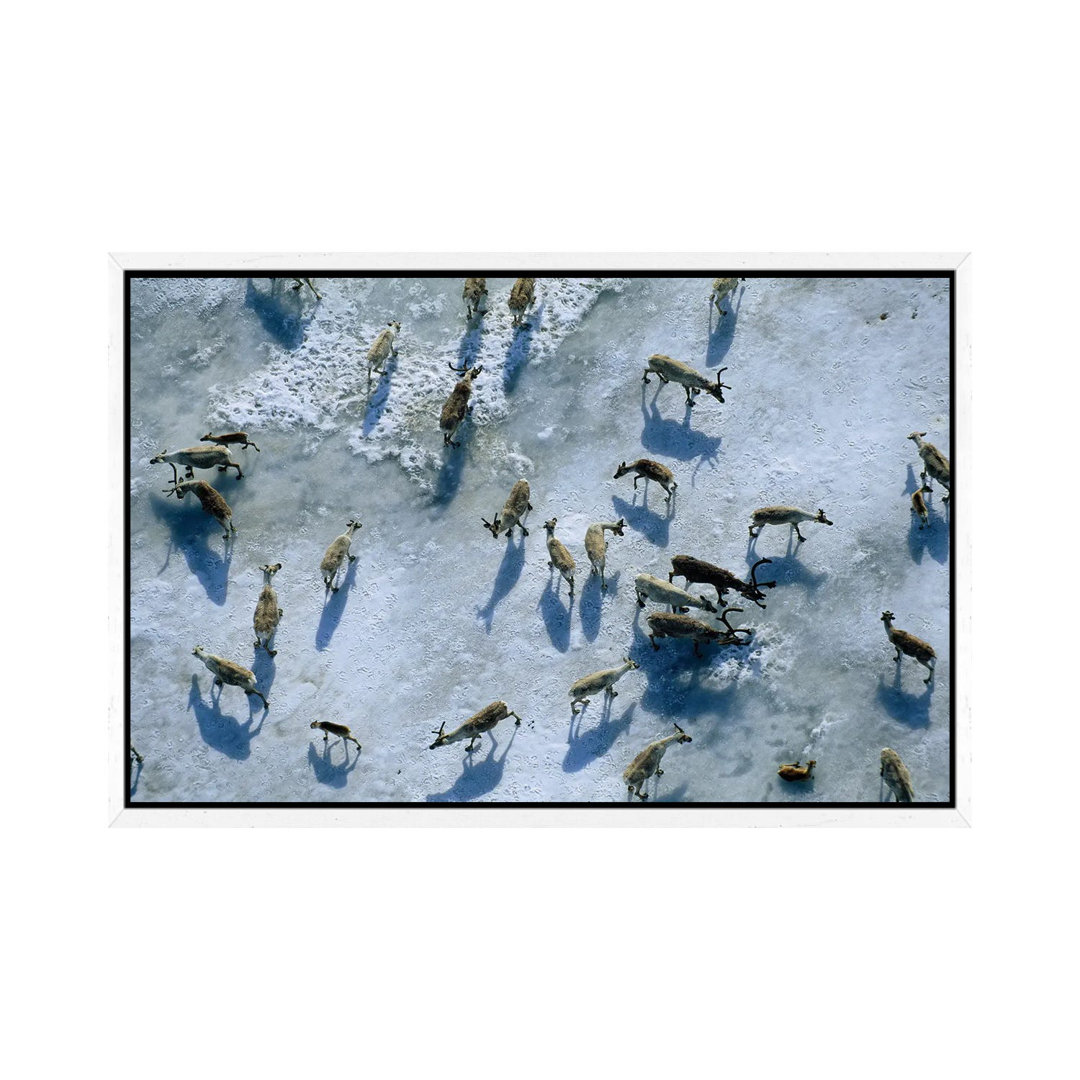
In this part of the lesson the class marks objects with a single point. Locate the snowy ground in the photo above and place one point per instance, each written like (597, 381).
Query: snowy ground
(436, 619)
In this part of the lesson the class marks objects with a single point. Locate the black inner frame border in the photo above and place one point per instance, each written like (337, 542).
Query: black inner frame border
(257, 272)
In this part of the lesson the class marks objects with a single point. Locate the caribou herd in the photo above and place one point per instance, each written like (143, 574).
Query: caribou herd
(710, 625)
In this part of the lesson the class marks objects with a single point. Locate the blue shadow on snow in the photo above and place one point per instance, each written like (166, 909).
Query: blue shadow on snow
(585, 749)
(654, 527)
(517, 356)
(674, 439)
(556, 617)
(908, 708)
(280, 311)
(334, 608)
(191, 531)
(722, 335)
(513, 563)
(477, 779)
(220, 732)
(326, 772)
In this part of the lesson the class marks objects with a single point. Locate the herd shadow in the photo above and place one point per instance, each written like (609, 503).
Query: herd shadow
(478, 779)
(513, 562)
(584, 749)
(334, 608)
(191, 532)
(279, 311)
(221, 732)
(325, 770)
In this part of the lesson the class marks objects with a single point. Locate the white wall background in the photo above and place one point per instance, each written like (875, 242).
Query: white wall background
(243, 127)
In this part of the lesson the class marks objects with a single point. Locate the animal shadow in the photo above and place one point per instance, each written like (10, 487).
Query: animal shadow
(333, 609)
(517, 356)
(677, 794)
(584, 749)
(900, 704)
(556, 617)
(448, 481)
(787, 570)
(220, 732)
(932, 539)
(469, 346)
(723, 334)
(190, 532)
(656, 528)
(265, 668)
(325, 770)
(673, 439)
(478, 779)
(592, 602)
(280, 311)
(377, 404)
(134, 772)
(509, 571)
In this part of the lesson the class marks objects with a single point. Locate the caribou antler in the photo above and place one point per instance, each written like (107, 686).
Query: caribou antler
(753, 576)
(733, 630)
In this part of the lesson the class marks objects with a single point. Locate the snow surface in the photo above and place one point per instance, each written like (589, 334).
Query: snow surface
(436, 619)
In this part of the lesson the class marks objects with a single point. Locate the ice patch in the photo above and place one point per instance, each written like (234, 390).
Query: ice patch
(323, 383)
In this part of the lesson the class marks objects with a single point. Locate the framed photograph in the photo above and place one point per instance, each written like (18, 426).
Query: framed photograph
(540, 539)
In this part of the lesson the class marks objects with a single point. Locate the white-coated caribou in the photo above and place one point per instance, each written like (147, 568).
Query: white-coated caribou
(198, 457)
(596, 545)
(337, 553)
(721, 287)
(599, 680)
(784, 515)
(517, 505)
(381, 348)
(895, 774)
(559, 557)
(647, 763)
(649, 587)
(267, 612)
